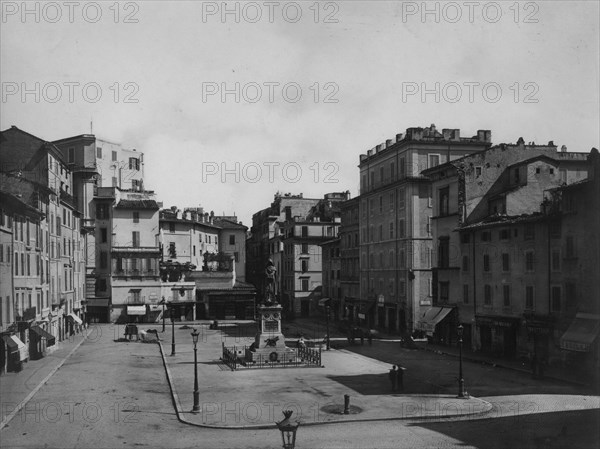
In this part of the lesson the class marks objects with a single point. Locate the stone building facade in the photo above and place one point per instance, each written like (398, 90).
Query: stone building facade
(395, 227)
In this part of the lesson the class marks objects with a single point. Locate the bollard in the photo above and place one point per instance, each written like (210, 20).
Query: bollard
(346, 404)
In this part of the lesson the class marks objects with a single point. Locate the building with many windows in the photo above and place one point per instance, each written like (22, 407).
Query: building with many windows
(352, 305)
(127, 255)
(395, 222)
(96, 163)
(301, 261)
(265, 241)
(505, 262)
(210, 250)
(48, 268)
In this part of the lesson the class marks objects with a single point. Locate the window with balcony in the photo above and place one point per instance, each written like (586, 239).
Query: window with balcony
(134, 163)
(172, 250)
(465, 263)
(136, 217)
(466, 293)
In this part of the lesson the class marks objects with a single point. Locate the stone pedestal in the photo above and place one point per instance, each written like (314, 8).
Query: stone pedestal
(269, 343)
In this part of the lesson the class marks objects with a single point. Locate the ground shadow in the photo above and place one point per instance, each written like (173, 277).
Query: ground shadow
(573, 429)
(376, 384)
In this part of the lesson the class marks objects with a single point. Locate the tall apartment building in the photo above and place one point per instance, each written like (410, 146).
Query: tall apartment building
(97, 163)
(501, 250)
(395, 228)
(47, 249)
(265, 241)
(301, 262)
(127, 254)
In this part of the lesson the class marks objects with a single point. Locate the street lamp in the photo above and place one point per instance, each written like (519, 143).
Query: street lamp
(288, 430)
(327, 325)
(461, 381)
(163, 312)
(196, 408)
(172, 309)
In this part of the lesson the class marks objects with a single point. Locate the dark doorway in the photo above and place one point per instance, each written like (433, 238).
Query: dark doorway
(304, 308)
(486, 338)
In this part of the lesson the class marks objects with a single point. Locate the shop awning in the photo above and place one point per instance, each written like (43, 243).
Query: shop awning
(75, 318)
(136, 310)
(50, 339)
(581, 333)
(431, 317)
(324, 301)
(16, 345)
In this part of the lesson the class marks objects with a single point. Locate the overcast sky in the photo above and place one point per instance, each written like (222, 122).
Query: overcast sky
(317, 84)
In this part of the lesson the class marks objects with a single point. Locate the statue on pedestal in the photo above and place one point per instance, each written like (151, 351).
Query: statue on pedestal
(271, 288)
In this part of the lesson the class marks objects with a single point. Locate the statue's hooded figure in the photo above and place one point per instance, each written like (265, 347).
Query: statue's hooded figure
(271, 273)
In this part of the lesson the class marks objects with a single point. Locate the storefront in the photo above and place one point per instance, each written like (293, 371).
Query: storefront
(136, 314)
(537, 344)
(74, 323)
(39, 341)
(16, 352)
(437, 324)
(498, 335)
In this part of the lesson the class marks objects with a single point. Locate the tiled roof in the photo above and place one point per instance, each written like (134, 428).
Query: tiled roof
(228, 224)
(137, 204)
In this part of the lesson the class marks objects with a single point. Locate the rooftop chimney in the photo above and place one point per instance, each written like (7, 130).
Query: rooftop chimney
(563, 149)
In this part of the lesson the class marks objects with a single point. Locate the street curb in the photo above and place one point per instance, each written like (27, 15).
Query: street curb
(180, 413)
(37, 388)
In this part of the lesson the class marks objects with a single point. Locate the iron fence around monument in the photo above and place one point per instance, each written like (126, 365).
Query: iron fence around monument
(303, 357)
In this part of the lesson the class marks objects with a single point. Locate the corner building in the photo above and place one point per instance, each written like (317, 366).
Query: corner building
(395, 223)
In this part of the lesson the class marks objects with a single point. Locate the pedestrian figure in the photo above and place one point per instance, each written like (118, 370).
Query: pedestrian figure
(401, 378)
(370, 338)
(393, 375)
(301, 343)
(362, 337)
